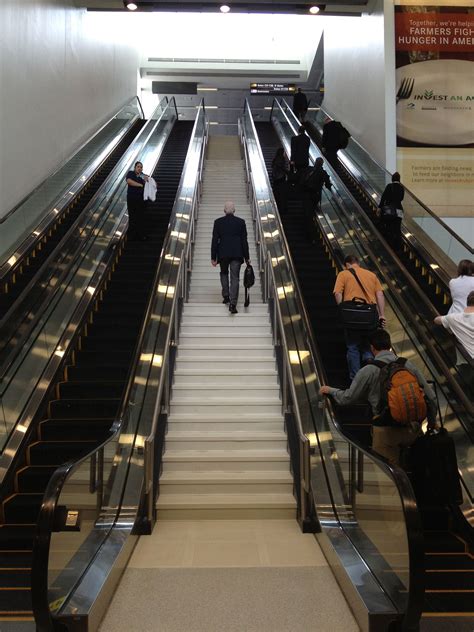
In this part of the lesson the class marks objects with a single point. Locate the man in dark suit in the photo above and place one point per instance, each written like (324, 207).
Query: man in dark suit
(230, 248)
(300, 150)
(300, 105)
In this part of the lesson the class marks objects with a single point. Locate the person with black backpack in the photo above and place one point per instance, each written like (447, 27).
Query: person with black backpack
(398, 394)
(391, 212)
(335, 137)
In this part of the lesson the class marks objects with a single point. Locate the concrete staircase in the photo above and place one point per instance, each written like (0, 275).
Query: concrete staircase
(226, 449)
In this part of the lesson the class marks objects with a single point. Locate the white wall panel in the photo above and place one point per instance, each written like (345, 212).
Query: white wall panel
(61, 75)
(357, 78)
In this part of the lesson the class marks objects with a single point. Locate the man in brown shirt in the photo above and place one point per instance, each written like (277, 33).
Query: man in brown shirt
(347, 288)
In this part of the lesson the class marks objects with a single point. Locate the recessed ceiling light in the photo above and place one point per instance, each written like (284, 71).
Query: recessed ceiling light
(207, 89)
(131, 6)
(224, 8)
(314, 10)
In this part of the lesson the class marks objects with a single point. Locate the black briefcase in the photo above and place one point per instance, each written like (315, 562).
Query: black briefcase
(358, 314)
(434, 470)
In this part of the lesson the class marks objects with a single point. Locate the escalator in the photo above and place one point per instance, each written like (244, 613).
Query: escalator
(421, 254)
(16, 279)
(449, 559)
(84, 401)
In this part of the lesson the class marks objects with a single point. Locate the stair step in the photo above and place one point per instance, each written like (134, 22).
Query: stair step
(180, 506)
(207, 442)
(201, 378)
(214, 366)
(226, 460)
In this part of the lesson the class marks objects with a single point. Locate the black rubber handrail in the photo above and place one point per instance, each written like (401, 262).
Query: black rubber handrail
(400, 478)
(38, 286)
(31, 193)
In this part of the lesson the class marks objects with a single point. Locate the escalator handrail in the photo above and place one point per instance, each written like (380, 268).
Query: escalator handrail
(412, 195)
(16, 437)
(61, 474)
(400, 478)
(247, 110)
(45, 521)
(433, 352)
(4, 218)
(15, 258)
(35, 281)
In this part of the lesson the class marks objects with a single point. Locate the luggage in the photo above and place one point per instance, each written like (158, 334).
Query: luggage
(249, 280)
(434, 470)
(358, 314)
(432, 466)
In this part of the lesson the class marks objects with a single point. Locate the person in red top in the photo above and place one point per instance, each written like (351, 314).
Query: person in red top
(347, 288)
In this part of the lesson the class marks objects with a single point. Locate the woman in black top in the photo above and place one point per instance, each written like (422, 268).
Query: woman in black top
(280, 170)
(391, 212)
(135, 203)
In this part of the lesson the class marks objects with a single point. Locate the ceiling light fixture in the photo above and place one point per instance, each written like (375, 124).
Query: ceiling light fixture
(224, 8)
(131, 6)
(314, 10)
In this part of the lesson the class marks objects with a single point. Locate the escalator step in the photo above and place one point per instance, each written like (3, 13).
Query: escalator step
(97, 358)
(16, 559)
(456, 579)
(34, 479)
(90, 390)
(448, 561)
(449, 601)
(75, 429)
(58, 452)
(443, 542)
(116, 373)
(22, 508)
(82, 408)
(98, 343)
(17, 537)
(15, 602)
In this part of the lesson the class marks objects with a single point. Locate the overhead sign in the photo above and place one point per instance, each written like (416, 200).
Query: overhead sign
(276, 89)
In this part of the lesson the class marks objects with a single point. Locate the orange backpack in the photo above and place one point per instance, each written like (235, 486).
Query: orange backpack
(402, 398)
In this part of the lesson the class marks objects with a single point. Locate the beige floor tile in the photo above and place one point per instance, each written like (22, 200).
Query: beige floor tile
(226, 554)
(225, 530)
(156, 555)
(306, 552)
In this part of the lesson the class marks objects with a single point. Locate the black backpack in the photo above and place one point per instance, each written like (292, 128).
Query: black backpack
(344, 136)
(249, 280)
(312, 179)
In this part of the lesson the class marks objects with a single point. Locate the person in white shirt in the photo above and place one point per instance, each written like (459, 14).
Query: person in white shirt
(461, 324)
(461, 286)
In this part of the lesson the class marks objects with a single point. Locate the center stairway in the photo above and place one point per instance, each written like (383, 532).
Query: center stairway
(226, 448)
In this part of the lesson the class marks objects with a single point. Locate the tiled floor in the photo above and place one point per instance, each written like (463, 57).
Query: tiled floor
(227, 543)
(228, 576)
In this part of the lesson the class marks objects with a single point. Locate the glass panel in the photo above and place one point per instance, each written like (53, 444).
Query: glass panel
(101, 224)
(55, 191)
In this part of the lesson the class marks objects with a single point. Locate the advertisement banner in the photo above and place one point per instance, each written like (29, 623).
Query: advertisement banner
(434, 51)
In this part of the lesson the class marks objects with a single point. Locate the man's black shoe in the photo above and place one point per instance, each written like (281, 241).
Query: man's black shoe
(226, 300)
(233, 309)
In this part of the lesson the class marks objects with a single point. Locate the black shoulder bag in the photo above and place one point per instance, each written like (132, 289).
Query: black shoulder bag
(358, 313)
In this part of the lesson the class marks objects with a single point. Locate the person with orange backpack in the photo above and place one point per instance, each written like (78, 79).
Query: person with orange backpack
(400, 398)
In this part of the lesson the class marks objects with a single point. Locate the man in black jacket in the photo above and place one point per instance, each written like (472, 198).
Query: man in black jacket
(230, 248)
(300, 150)
(300, 105)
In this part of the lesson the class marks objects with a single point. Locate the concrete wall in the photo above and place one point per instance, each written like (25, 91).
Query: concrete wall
(61, 75)
(359, 74)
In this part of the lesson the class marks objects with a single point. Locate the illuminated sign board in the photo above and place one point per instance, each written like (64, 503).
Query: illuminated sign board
(274, 89)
